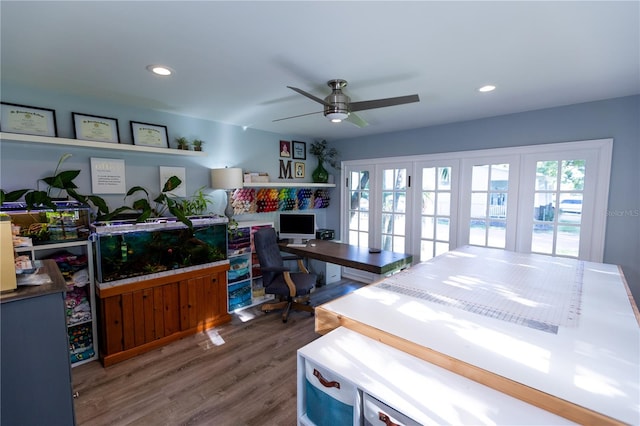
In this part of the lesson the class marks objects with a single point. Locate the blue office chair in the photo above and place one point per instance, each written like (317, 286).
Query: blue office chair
(291, 288)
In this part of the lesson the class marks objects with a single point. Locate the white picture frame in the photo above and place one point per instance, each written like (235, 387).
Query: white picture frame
(108, 176)
(180, 172)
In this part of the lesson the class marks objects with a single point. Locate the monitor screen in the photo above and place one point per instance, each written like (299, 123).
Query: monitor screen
(298, 227)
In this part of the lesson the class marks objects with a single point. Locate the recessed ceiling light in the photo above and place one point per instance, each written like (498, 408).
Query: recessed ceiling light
(160, 69)
(487, 88)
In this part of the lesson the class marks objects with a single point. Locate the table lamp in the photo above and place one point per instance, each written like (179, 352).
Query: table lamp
(229, 178)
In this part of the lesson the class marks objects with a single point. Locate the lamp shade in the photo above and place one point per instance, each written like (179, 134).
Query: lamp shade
(227, 178)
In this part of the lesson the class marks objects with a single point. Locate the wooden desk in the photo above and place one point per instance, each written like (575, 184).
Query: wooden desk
(351, 256)
(587, 371)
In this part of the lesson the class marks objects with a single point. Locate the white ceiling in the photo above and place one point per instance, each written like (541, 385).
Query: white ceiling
(233, 60)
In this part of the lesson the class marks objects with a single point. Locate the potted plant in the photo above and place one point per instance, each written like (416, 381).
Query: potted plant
(183, 143)
(324, 154)
(61, 180)
(197, 144)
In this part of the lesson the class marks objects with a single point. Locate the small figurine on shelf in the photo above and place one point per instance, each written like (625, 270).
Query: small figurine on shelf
(183, 143)
(197, 144)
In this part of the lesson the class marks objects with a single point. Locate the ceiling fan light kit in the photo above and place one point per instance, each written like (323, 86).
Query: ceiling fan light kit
(338, 106)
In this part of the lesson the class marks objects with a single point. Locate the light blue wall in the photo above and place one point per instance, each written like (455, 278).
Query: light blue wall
(22, 165)
(226, 145)
(614, 118)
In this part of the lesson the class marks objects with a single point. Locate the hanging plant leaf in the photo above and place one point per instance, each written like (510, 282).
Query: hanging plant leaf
(172, 183)
(12, 196)
(39, 198)
(99, 203)
(62, 180)
(135, 189)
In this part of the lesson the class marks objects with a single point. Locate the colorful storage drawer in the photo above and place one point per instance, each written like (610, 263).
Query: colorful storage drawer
(329, 397)
(377, 413)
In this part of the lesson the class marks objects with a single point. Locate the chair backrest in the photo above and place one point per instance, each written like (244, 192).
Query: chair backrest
(265, 242)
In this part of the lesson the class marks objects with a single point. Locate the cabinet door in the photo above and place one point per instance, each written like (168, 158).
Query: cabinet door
(203, 300)
(164, 312)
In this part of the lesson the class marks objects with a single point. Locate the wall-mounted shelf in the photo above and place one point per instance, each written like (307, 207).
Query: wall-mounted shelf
(289, 185)
(17, 137)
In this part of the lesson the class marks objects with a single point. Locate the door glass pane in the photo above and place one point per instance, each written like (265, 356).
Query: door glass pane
(477, 232)
(428, 202)
(429, 179)
(359, 208)
(546, 176)
(542, 239)
(557, 209)
(479, 178)
(442, 229)
(444, 203)
(426, 250)
(436, 211)
(387, 201)
(394, 208)
(568, 241)
(388, 179)
(497, 234)
(490, 184)
(572, 177)
(444, 178)
(428, 227)
(479, 204)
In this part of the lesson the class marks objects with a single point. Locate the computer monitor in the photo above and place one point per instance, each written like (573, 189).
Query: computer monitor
(298, 227)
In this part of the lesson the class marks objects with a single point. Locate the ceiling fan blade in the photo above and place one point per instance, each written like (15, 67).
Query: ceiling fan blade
(381, 103)
(296, 116)
(310, 96)
(357, 120)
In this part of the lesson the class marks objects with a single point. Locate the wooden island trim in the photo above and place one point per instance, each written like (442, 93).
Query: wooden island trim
(147, 314)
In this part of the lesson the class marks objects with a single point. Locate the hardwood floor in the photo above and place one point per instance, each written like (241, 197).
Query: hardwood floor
(241, 373)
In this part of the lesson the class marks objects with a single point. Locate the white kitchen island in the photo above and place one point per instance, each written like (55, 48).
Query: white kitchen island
(558, 333)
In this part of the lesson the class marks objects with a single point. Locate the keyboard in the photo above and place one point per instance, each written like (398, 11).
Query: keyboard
(296, 245)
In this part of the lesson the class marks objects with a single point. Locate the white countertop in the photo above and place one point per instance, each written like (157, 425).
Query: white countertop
(594, 363)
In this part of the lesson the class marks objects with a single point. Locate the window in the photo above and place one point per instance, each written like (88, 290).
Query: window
(539, 198)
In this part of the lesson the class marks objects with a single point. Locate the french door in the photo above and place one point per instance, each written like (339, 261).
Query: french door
(549, 199)
(436, 204)
(489, 201)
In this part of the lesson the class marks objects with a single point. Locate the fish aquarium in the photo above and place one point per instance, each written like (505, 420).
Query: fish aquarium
(68, 221)
(124, 250)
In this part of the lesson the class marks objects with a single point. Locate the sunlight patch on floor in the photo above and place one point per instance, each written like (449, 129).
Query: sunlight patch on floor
(214, 337)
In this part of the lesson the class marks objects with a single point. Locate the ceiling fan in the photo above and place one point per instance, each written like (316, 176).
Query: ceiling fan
(338, 106)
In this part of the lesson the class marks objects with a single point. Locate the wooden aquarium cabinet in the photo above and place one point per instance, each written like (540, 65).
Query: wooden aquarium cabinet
(142, 315)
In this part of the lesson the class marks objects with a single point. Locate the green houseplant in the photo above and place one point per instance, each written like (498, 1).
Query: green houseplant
(197, 144)
(63, 181)
(324, 154)
(183, 143)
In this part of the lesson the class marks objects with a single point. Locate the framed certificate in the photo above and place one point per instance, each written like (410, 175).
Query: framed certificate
(27, 120)
(299, 150)
(95, 128)
(145, 134)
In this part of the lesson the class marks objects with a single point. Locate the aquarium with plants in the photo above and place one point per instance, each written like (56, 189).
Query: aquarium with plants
(125, 250)
(64, 221)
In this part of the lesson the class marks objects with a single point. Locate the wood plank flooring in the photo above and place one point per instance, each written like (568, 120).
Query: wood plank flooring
(241, 373)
